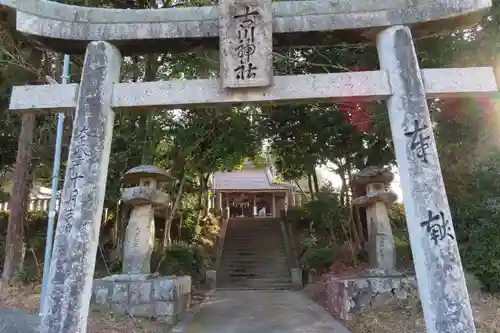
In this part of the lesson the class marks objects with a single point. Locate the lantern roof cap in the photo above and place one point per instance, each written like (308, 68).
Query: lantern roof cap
(373, 174)
(147, 171)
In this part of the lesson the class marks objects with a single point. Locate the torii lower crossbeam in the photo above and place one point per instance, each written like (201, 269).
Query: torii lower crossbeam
(367, 86)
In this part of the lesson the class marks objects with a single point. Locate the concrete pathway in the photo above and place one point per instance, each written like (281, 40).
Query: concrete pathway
(262, 311)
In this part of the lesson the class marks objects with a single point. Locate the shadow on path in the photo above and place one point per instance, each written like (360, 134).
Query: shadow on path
(262, 311)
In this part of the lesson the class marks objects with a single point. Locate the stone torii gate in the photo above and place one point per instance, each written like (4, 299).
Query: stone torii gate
(247, 31)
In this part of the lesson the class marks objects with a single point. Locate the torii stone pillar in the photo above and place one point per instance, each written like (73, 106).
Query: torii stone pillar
(380, 238)
(441, 279)
(77, 234)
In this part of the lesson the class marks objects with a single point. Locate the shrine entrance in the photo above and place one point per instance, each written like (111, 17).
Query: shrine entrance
(245, 35)
(252, 192)
(256, 204)
(240, 205)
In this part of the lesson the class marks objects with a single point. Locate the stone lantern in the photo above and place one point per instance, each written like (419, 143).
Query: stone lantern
(381, 286)
(145, 198)
(376, 180)
(136, 291)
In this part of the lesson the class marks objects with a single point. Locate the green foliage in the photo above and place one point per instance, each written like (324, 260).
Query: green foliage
(322, 226)
(209, 233)
(182, 259)
(299, 218)
(323, 211)
(191, 226)
(309, 242)
(325, 220)
(318, 259)
(215, 139)
(326, 211)
(35, 230)
(34, 238)
(28, 275)
(476, 213)
(9, 131)
(398, 224)
(468, 142)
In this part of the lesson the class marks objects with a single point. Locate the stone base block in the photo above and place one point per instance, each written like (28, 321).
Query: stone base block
(347, 297)
(146, 296)
(211, 278)
(297, 280)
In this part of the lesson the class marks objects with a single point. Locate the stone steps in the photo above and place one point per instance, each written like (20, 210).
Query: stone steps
(238, 261)
(272, 275)
(255, 269)
(282, 271)
(254, 256)
(257, 283)
(233, 252)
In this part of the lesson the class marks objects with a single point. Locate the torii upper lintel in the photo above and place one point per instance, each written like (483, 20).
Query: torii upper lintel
(69, 29)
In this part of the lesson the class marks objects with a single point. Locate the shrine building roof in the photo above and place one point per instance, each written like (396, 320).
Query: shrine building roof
(248, 178)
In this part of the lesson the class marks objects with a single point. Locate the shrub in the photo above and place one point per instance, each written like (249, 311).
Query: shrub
(327, 212)
(34, 236)
(298, 217)
(398, 222)
(28, 275)
(191, 227)
(182, 259)
(476, 215)
(209, 232)
(318, 259)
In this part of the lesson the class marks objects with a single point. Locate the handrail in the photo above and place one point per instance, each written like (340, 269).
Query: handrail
(286, 242)
(220, 239)
(289, 243)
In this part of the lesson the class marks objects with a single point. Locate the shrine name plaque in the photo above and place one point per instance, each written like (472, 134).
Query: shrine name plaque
(245, 43)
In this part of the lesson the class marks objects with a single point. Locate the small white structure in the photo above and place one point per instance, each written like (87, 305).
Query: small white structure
(39, 198)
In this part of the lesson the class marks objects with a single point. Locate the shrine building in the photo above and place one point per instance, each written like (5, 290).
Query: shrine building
(252, 192)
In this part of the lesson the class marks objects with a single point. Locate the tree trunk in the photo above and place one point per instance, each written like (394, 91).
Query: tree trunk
(121, 226)
(14, 245)
(167, 237)
(206, 195)
(302, 193)
(343, 189)
(21, 182)
(315, 179)
(199, 195)
(116, 222)
(179, 230)
(311, 188)
(349, 177)
(167, 240)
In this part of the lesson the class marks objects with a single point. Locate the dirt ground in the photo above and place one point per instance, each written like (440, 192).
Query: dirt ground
(410, 320)
(486, 312)
(28, 298)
